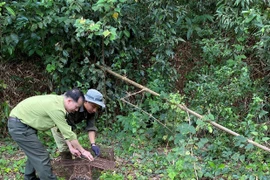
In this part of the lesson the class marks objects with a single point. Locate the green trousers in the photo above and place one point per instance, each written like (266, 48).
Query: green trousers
(59, 140)
(38, 159)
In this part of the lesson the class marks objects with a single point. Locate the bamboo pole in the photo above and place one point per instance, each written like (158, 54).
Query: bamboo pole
(180, 106)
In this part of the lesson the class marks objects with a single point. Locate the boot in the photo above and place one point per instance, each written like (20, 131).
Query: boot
(65, 155)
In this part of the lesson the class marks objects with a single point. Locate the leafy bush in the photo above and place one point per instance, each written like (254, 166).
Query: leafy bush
(138, 39)
(4, 113)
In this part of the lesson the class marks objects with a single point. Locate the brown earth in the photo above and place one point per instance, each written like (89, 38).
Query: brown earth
(22, 80)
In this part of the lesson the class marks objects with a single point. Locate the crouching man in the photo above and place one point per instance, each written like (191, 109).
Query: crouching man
(93, 101)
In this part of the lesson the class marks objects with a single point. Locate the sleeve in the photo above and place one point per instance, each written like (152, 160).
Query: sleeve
(90, 123)
(59, 119)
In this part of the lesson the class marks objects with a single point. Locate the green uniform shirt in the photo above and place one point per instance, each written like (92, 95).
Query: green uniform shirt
(44, 112)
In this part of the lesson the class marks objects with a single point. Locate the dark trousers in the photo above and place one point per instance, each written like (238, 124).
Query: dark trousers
(38, 159)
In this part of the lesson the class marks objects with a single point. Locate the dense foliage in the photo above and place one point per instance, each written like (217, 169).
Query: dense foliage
(212, 56)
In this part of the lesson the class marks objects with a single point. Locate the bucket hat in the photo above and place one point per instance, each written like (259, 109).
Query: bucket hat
(94, 96)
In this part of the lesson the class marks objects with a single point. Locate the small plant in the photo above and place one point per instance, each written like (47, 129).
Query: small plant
(4, 113)
(111, 175)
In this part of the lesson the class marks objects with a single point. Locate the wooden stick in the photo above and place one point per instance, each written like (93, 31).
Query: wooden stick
(183, 107)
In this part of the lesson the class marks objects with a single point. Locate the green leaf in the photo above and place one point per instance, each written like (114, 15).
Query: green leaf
(113, 36)
(65, 53)
(210, 129)
(240, 140)
(221, 166)
(209, 117)
(10, 11)
(202, 142)
(94, 26)
(250, 18)
(50, 67)
(212, 164)
(33, 27)
(185, 128)
(39, 52)
(127, 34)
(249, 146)
(106, 33)
(2, 4)
(189, 33)
(254, 133)
(15, 38)
(10, 50)
(262, 113)
(40, 25)
(265, 139)
(31, 52)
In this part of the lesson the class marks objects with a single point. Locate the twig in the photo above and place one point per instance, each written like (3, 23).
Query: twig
(133, 93)
(194, 165)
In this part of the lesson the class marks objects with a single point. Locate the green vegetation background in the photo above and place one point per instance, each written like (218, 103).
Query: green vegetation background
(213, 56)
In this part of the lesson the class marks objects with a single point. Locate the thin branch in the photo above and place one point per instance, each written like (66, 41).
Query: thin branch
(194, 165)
(129, 95)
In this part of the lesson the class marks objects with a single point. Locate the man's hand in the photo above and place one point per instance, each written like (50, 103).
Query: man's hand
(96, 149)
(74, 144)
(75, 152)
(87, 155)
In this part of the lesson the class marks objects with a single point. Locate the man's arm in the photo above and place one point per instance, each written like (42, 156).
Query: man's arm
(91, 128)
(73, 151)
(75, 145)
(95, 148)
(92, 137)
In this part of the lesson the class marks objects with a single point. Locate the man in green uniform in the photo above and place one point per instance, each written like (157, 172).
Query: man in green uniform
(89, 112)
(42, 113)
